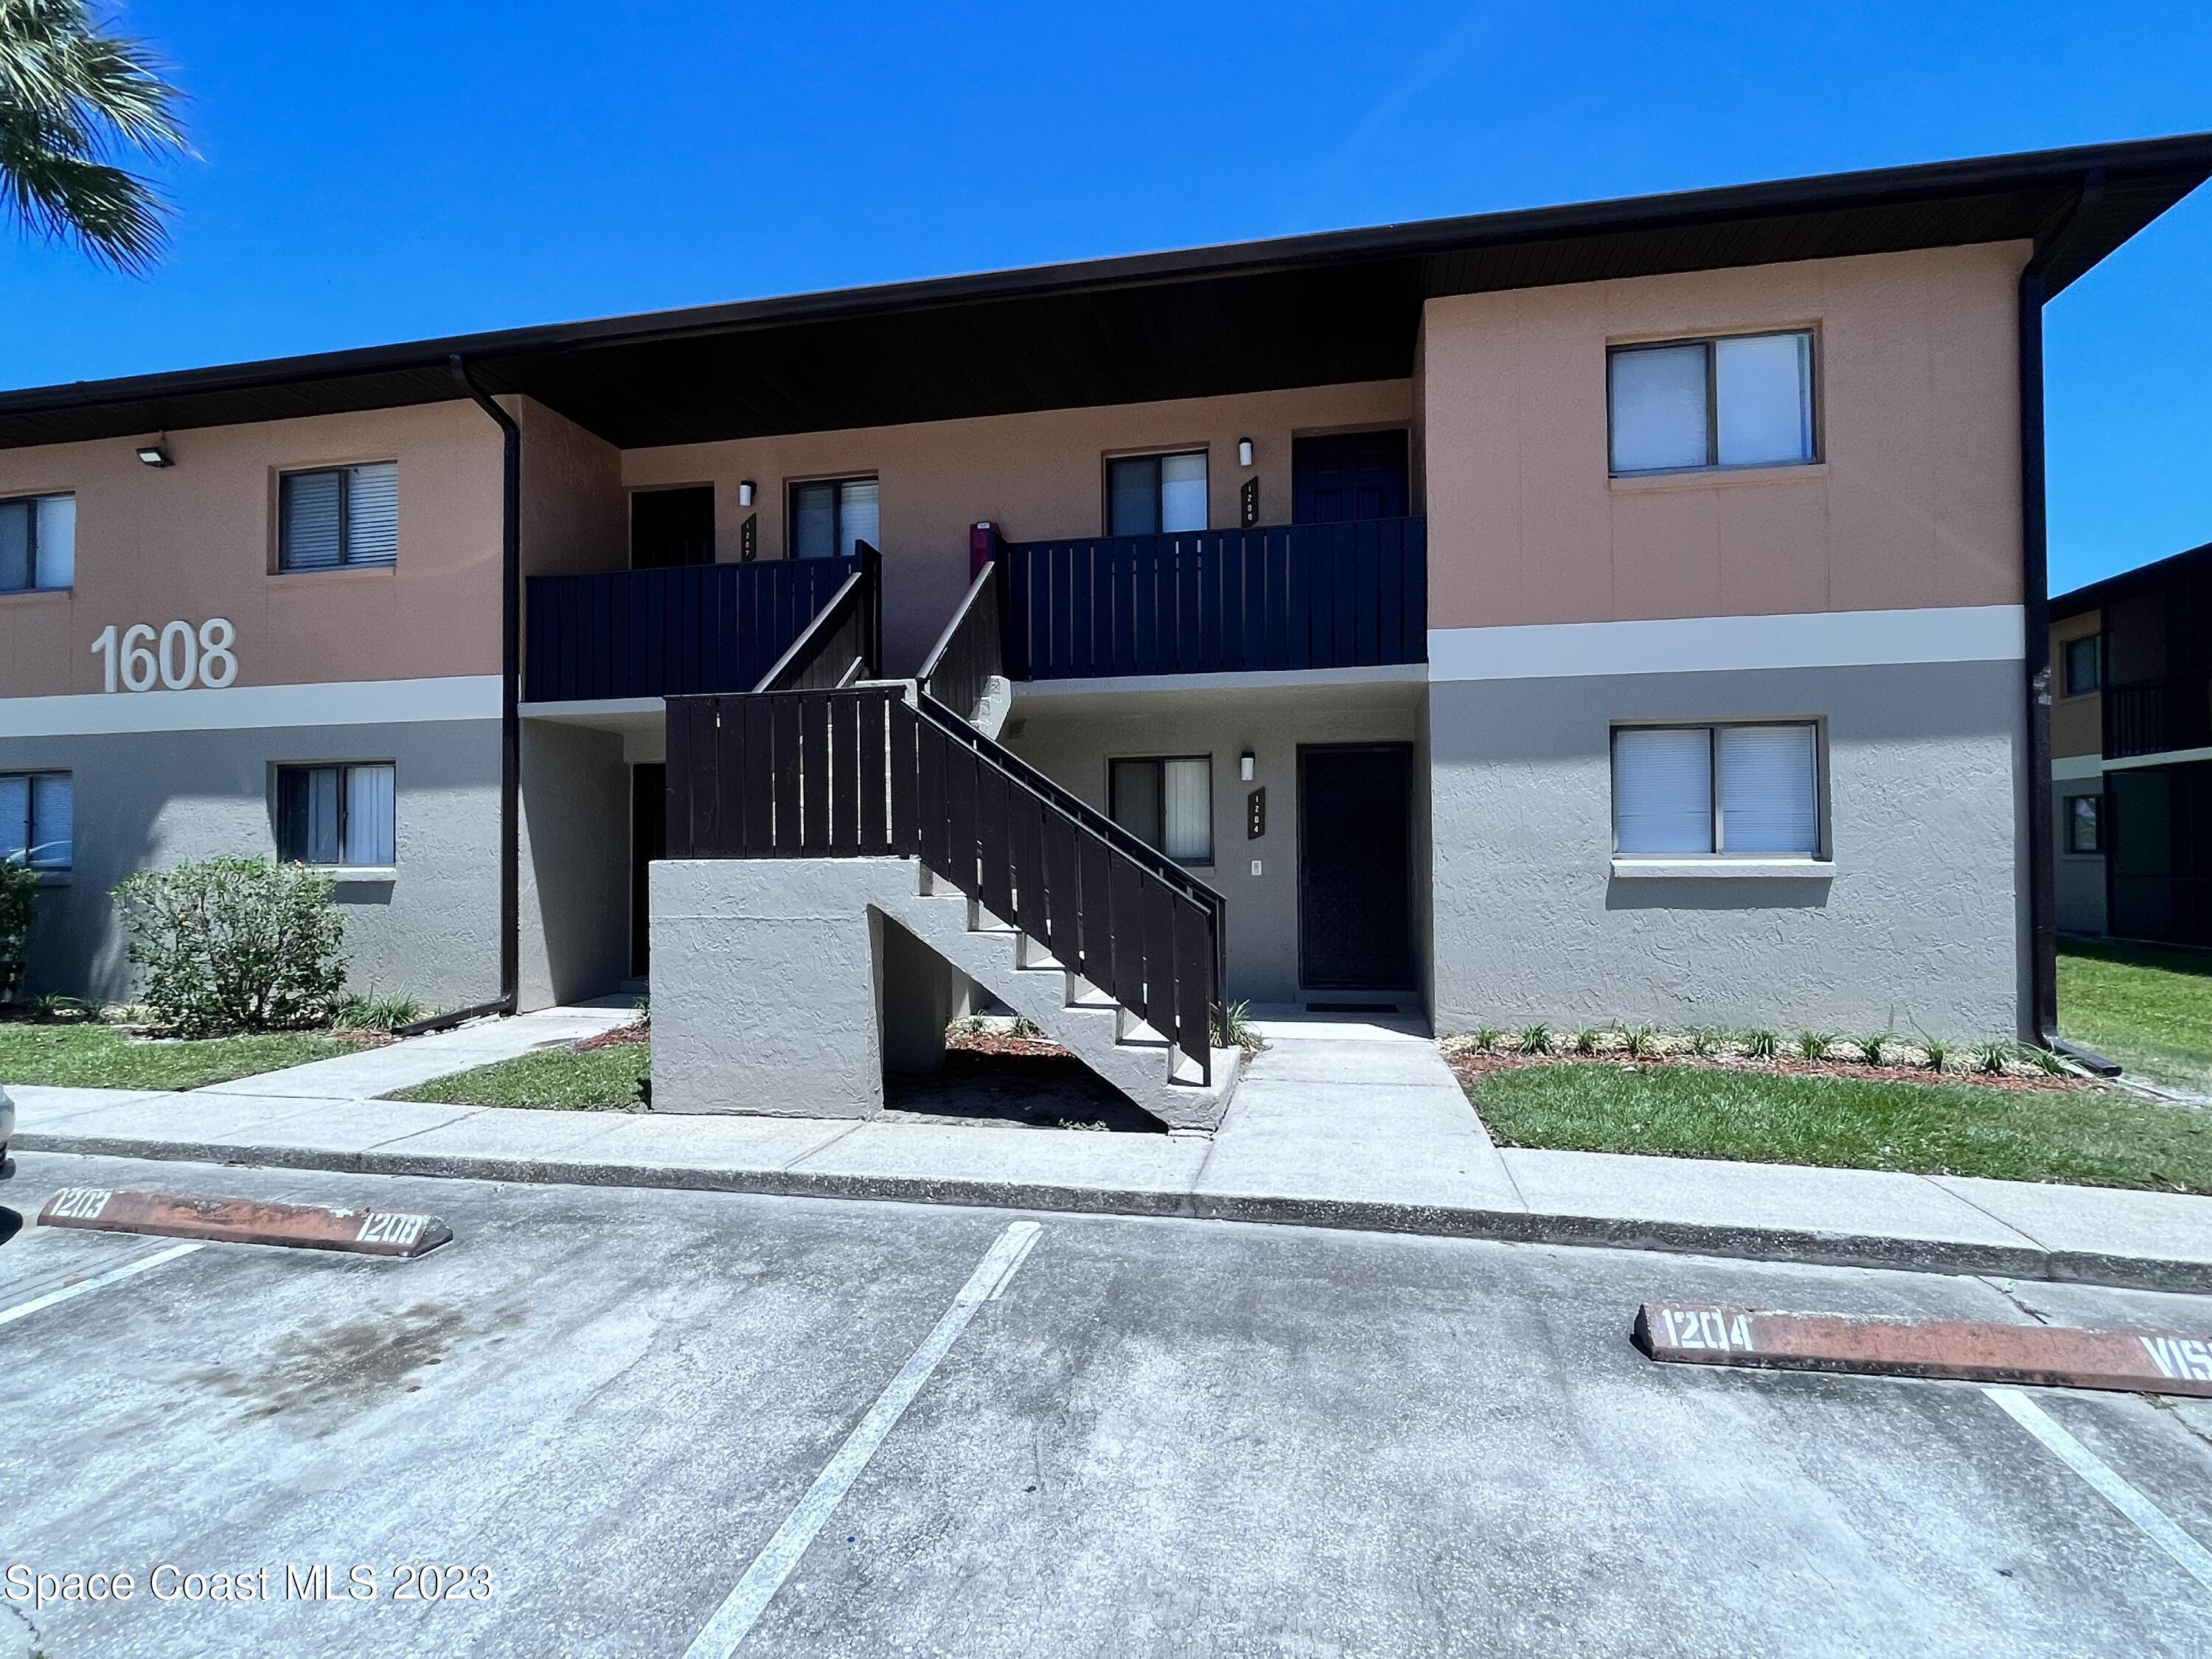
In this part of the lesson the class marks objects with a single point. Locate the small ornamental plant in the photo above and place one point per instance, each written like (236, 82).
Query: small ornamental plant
(18, 882)
(236, 945)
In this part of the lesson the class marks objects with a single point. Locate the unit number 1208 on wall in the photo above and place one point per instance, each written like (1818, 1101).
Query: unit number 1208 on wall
(181, 655)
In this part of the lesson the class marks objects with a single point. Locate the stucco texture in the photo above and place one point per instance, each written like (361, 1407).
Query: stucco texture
(1914, 502)
(1072, 739)
(198, 540)
(146, 800)
(1037, 476)
(1920, 928)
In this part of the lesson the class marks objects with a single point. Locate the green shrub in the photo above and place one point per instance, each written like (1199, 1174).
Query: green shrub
(1706, 1041)
(1761, 1044)
(1813, 1045)
(1534, 1039)
(1488, 1037)
(236, 945)
(1639, 1041)
(1938, 1053)
(1874, 1047)
(18, 882)
(1589, 1040)
(1232, 1028)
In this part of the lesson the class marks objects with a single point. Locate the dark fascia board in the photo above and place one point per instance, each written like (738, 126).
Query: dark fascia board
(409, 372)
(2098, 594)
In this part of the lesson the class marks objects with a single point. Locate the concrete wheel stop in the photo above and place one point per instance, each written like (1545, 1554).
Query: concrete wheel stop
(2047, 1356)
(246, 1221)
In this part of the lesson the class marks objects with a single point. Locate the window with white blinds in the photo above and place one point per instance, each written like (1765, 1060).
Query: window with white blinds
(1155, 494)
(38, 813)
(1747, 791)
(830, 517)
(336, 516)
(1166, 803)
(1684, 406)
(38, 543)
(336, 815)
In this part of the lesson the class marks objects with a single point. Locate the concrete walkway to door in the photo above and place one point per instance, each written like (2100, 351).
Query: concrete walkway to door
(1341, 1110)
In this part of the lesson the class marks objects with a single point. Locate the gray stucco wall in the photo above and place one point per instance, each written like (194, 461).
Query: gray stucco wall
(154, 798)
(575, 881)
(1072, 740)
(2078, 877)
(1920, 927)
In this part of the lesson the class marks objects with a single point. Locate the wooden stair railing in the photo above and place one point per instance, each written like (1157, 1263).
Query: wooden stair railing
(867, 771)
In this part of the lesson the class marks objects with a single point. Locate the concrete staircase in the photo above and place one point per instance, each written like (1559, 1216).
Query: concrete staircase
(1068, 1008)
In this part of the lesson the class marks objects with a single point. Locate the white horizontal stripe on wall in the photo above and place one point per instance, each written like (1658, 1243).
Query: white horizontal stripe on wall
(239, 708)
(2068, 768)
(1822, 639)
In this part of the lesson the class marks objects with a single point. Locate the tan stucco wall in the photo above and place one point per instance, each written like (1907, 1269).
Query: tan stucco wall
(575, 513)
(2077, 724)
(1915, 503)
(1037, 476)
(196, 540)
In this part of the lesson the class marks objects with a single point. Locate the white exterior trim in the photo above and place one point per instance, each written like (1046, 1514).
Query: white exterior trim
(2164, 758)
(2071, 769)
(1823, 639)
(239, 707)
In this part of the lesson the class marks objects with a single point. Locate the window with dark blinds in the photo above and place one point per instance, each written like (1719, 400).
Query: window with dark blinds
(338, 515)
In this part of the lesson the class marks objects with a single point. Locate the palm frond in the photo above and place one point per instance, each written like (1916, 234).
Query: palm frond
(76, 101)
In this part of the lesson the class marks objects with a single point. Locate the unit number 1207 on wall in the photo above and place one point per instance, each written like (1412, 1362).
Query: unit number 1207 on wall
(181, 656)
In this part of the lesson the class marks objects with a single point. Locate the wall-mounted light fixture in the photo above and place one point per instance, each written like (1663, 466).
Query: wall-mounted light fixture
(745, 492)
(1243, 452)
(1244, 766)
(155, 455)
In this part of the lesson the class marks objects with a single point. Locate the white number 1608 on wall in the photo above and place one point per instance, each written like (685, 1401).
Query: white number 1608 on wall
(184, 656)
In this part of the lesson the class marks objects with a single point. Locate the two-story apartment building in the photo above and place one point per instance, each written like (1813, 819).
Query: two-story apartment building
(2131, 753)
(1631, 609)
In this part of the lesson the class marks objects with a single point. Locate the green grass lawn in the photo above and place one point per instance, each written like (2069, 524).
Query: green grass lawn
(2150, 1010)
(2095, 1137)
(100, 1057)
(596, 1079)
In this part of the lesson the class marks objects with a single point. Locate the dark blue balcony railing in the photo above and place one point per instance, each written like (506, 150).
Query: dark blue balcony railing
(2152, 717)
(1219, 601)
(658, 632)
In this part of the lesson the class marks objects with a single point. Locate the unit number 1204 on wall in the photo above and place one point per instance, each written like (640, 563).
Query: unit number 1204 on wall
(180, 656)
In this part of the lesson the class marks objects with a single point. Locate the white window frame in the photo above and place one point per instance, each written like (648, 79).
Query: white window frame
(31, 557)
(1712, 463)
(2066, 804)
(345, 472)
(33, 777)
(277, 772)
(1720, 856)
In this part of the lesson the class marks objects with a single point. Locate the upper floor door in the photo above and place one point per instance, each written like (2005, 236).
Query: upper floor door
(1348, 475)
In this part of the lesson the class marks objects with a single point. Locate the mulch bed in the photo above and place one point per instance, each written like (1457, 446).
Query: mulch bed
(1471, 1065)
(999, 1043)
(621, 1037)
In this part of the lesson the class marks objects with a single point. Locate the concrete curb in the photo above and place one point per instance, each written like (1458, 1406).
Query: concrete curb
(1728, 1240)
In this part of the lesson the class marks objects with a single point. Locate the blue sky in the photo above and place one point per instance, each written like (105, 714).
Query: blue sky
(368, 174)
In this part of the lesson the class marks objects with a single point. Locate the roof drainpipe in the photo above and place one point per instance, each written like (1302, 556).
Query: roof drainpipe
(510, 719)
(2035, 576)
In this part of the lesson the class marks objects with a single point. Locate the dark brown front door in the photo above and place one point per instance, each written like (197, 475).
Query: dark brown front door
(1355, 868)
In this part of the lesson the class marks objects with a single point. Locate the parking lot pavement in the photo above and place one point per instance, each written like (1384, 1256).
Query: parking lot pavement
(1140, 1436)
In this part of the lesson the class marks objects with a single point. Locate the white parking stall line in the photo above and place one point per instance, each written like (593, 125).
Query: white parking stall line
(112, 1276)
(2193, 1558)
(734, 1620)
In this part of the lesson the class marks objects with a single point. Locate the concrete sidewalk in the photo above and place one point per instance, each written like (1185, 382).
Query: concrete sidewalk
(368, 1073)
(1355, 1126)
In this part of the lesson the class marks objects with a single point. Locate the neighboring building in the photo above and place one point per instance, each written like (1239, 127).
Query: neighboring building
(2132, 752)
(1617, 610)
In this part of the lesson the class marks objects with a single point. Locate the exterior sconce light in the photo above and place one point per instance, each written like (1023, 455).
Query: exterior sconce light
(1244, 766)
(1243, 452)
(745, 492)
(155, 455)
